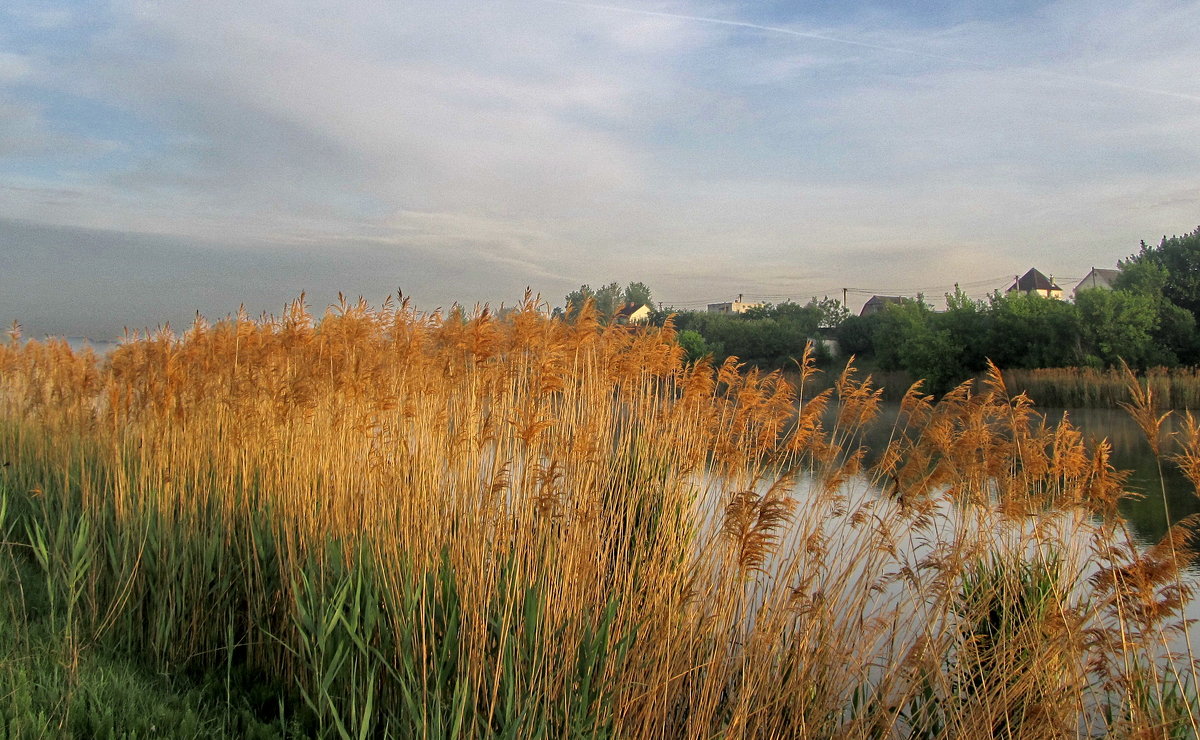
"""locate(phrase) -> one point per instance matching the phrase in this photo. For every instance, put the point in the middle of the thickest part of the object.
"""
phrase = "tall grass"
(450, 525)
(1081, 387)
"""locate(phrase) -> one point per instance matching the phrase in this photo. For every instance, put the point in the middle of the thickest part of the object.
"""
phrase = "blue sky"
(162, 158)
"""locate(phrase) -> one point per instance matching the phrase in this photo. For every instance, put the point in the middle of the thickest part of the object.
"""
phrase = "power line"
(1001, 283)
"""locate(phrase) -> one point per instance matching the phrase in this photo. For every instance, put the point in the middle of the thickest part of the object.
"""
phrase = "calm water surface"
(1163, 497)
(1166, 496)
(1163, 494)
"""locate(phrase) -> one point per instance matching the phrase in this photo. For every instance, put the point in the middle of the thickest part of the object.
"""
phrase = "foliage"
(1028, 330)
(607, 300)
(770, 336)
(1101, 329)
(695, 348)
(1117, 326)
(1174, 334)
(637, 294)
(856, 334)
(1141, 276)
(832, 312)
(942, 348)
(1179, 258)
(1148, 320)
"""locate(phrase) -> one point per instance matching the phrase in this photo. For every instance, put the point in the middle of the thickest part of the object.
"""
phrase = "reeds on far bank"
(453, 525)
(1177, 388)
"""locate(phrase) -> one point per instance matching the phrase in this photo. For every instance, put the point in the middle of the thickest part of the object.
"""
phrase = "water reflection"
(1162, 499)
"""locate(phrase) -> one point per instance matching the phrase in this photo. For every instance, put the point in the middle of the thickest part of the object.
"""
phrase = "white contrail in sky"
(760, 27)
(876, 47)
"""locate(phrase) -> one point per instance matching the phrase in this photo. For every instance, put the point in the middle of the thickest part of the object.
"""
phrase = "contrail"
(876, 47)
(768, 29)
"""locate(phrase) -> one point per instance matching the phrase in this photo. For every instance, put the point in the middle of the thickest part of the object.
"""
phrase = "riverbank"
(1070, 387)
(1173, 388)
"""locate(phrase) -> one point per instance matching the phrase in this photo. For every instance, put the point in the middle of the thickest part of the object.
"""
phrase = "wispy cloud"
(1032, 73)
(707, 148)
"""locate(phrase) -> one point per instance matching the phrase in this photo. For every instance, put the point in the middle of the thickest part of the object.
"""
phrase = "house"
(632, 313)
(877, 303)
(738, 306)
(1035, 283)
(1099, 278)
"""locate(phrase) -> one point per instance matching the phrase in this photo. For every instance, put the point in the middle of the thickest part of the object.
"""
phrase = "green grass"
(58, 681)
(72, 668)
(53, 686)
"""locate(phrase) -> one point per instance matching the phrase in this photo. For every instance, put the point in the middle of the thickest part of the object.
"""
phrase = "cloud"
(13, 67)
(88, 282)
(551, 144)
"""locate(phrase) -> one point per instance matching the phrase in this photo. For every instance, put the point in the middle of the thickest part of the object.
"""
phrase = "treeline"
(767, 336)
(1148, 320)
(607, 300)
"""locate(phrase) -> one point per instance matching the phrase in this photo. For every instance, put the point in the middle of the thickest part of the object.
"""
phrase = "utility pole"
(844, 290)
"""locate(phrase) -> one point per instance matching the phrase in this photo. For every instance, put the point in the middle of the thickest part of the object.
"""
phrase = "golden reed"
(721, 557)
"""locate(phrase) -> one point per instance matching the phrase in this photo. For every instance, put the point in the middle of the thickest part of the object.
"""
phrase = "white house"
(1099, 279)
(738, 306)
(1034, 282)
(632, 313)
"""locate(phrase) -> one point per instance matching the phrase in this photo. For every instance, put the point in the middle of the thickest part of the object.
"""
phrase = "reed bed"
(452, 525)
(1081, 387)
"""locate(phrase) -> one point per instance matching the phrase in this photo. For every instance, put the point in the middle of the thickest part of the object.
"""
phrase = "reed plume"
(426, 523)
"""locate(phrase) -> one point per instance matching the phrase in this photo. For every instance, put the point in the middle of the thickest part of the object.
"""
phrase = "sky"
(159, 159)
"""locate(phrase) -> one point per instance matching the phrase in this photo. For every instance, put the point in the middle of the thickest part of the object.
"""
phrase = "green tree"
(1175, 336)
(908, 337)
(856, 334)
(1031, 331)
(832, 312)
(967, 322)
(637, 293)
(756, 339)
(802, 318)
(608, 299)
(575, 299)
(694, 345)
(1179, 256)
(1142, 276)
(895, 326)
(1117, 325)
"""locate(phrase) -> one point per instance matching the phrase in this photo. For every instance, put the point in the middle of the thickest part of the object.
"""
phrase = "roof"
(1033, 281)
(629, 309)
(879, 302)
(1099, 277)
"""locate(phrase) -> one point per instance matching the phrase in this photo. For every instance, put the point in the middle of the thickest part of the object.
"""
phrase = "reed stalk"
(453, 525)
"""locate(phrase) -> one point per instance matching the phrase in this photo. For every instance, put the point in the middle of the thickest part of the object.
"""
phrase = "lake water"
(1164, 496)
(1164, 500)
(865, 548)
